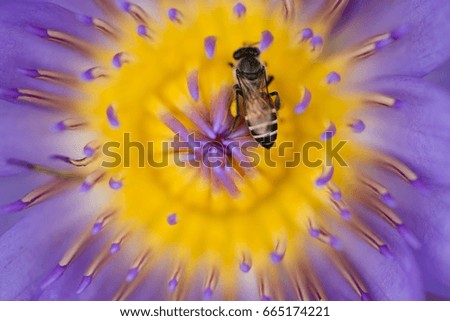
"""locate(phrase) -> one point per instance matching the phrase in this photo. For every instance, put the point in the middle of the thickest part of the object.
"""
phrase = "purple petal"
(420, 27)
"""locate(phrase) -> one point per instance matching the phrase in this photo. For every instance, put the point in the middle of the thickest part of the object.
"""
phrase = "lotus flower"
(127, 174)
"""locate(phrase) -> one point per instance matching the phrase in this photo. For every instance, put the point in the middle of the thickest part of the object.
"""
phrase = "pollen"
(189, 186)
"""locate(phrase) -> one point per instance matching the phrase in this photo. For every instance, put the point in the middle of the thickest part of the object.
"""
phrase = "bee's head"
(246, 52)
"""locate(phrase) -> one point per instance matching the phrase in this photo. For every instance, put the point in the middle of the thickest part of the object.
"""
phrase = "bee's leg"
(231, 64)
(277, 99)
(270, 78)
(238, 92)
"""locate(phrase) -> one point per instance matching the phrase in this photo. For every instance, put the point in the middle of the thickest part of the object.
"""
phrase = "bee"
(253, 100)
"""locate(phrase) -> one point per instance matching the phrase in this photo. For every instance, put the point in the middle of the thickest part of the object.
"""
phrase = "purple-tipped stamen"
(325, 177)
(13, 207)
(345, 214)
(307, 34)
(40, 32)
(174, 15)
(304, 103)
(192, 83)
(276, 257)
(115, 248)
(316, 42)
(125, 6)
(142, 31)
(89, 151)
(112, 117)
(173, 283)
(398, 104)
(329, 132)
(335, 243)
(132, 274)
(266, 40)
(85, 187)
(9, 94)
(358, 126)
(388, 199)
(87, 20)
(385, 251)
(333, 78)
(119, 59)
(53, 276)
(239, 10)
(207, 293)
(115, 184)
(245, 267)
(97, 228)
(210, 46)
(84, 284)
(172, 219)
(32, 73)
(365, 296)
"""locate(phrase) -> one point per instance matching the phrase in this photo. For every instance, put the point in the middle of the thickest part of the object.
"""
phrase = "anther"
(277, 255)
(210, 46)
(246, 263)
(325, 177)
(135, 11)
(304, 103)
(91, 148)
(316, 43)
(342, 209)
(53, 276)
(68, 124)
(379, 190)
(174, 280)
(99, 24)
(239, 10)
(358, 126)
(120, 59)
(192, 83)
(306, 34)
(136, 267)
(35, 97)
(329, 132)
(113, 120)
(116, 182)
(91, 180)
(63, 38)
(210, 285)
(172, 219)
(324, 236)
(334, 191)
(93, 74)
(48, 75)
(36, 196)
(101, 222)
(333, 78)
(174, 15)
(143, 31)
(266, 40)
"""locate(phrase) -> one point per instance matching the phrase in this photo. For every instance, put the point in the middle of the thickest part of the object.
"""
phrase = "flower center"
(172, 78)
(188, 175)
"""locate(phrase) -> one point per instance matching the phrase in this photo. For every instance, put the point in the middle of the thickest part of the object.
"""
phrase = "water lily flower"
(127, 174)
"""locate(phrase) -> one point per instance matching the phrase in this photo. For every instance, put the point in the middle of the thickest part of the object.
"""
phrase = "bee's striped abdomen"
(265, 133)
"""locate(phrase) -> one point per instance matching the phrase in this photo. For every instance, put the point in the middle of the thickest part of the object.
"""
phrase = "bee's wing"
(254, 99)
